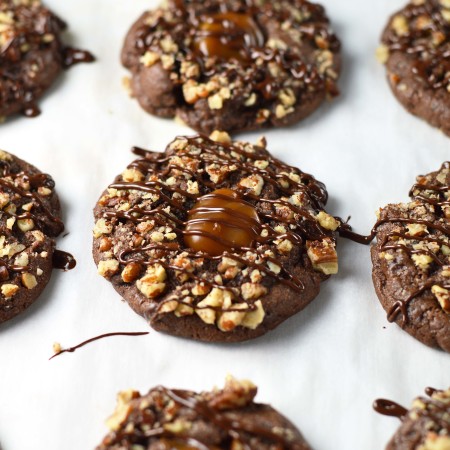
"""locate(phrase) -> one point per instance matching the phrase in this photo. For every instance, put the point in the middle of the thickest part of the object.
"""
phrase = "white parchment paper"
(322, 368)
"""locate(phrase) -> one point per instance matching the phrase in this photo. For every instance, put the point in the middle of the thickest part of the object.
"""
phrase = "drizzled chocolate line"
(434, 410)
(433, 62)
(401, 306)
(97, 338)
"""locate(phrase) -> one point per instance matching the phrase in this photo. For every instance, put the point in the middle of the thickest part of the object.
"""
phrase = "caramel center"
(221, 221)
(172, 444)
(227, 35)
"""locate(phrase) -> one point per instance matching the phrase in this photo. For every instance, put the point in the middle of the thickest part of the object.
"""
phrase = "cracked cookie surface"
(233, 65)
(214, 240)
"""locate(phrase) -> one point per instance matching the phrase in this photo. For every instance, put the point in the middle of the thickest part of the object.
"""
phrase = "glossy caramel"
(227, 35)
(221, 221)
(176, 444)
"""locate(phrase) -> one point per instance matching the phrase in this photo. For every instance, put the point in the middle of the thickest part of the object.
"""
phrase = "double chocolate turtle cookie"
(416, 50)
(226, 419)
(32, 55)
(426, 426)
(233, 65)
(29, 222)
(411, 260)
(214, 240)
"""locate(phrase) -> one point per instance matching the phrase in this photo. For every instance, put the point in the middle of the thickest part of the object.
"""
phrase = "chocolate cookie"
(411, 260)
(32, 55)
(416, 50)
(167, 419)
(426, 426)
(214, 240)
(29, 222)
(233, 65)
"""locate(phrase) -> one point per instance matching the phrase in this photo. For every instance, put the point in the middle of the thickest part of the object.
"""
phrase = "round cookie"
(30, 219)
(426, 426)
(166, 419)
(214, 240)
(233, 65)
(32, 55)
(416, 48)
(411, 260)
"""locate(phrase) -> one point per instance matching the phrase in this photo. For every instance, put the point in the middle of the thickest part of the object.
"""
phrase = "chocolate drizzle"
(97, 338)
(299, 222)
(427, 40)
(433, 410)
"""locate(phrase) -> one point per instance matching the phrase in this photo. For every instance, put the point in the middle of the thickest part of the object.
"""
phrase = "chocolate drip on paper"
(434, 409)
(63, 260)
(96, 338)
(72, 56)
(389, 408)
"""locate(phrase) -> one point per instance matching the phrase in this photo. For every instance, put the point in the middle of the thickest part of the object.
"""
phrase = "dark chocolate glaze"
(102, 336)
(309, 229)
(432, 61)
